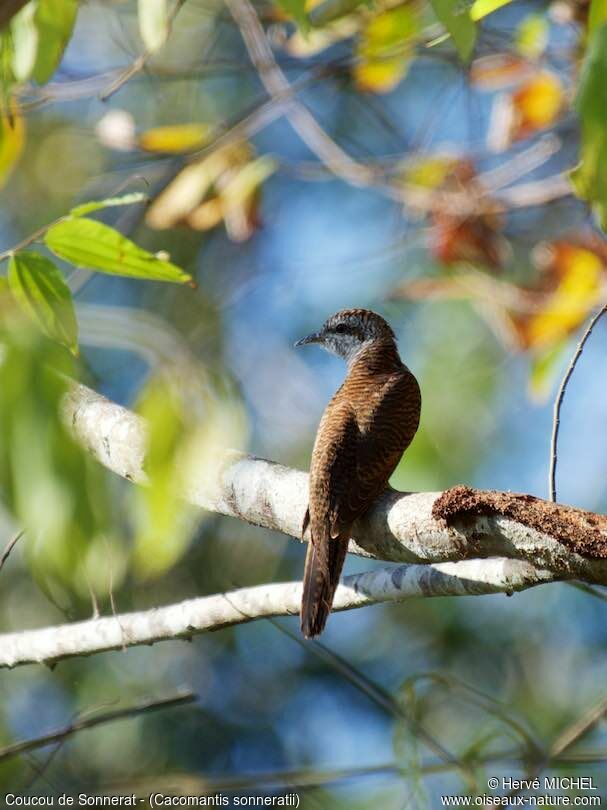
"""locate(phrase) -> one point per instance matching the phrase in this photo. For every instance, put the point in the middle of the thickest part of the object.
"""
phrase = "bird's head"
(350, 330)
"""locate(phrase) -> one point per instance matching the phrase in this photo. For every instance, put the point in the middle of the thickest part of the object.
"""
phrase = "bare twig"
(186, 784)
(132, 70)
(9, 547)
(535, 192)
(559, 401)
(301, 119)
(139, 63)
(28, 239)
(458, 524)
(467, 541)
(209, 613)
(96, 720)
(578, 729)
(380, 696)
(568, 737)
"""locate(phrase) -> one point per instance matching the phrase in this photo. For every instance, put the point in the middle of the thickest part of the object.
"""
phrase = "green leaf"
(6, 302)
(12, 139)
(597, 15)
(590, 177)
(7, 77)
(330, 10)
(163, 523)
(544, 368)
(42, 293)
(532, 36)
(55, 21)
(25, 42)
(53, 487)
(455, 17)
(386, 48)
(97, 205)
(153, 23)
(88, 243)
(297, 10)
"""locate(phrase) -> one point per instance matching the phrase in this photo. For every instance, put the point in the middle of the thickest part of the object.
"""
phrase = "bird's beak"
(315, 337)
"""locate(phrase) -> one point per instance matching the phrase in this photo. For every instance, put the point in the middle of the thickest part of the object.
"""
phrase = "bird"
(363, 432)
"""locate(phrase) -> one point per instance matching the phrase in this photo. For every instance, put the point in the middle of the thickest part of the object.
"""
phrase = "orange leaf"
(538, 103)
(574, 278)
(174, 139)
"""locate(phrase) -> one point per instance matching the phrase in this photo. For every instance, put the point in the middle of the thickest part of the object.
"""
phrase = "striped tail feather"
(321, 578)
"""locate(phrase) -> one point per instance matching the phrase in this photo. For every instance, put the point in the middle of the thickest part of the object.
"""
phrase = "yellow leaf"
(532, 36)
(174, 139)
(429, 172)
(192, 185)
(223, 186)
(482, 8)
(381, 75)
(386, 49)
(12, 138)
(539, 102)
(247, 180)
(578, 291)
(206, 216)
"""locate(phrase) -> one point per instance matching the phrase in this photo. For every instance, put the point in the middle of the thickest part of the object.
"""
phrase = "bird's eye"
(341, 328)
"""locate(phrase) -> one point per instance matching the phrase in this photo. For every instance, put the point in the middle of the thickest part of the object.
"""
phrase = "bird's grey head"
(349, 331)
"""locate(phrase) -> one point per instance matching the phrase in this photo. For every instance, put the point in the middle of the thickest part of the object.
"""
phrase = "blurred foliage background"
(418, 158)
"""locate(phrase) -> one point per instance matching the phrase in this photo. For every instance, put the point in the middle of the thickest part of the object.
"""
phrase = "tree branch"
(421, 527)
(98, 719)
(339, 162)
(558, 403)
(207, 613)
(457, 543)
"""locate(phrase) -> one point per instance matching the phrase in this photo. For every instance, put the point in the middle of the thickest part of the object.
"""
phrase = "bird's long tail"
(320, 581)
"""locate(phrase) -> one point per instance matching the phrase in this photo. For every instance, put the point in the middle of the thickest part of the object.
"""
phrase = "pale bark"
(397, 583)
(401, 527)
(460, 542)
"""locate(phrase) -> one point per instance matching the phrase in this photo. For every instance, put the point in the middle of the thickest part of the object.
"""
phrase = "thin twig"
(589, 589)
(559, 401)
(139, 63)
(9, 547)
(377, 694)
(184, 784)
(40, 769)
(100, 719)
(132, 70)
(208, 613)
(28, 240)
(301, 119)
(568, 737)
(574, 732)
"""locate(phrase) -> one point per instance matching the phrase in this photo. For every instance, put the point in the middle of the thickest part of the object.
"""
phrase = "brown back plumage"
(364, 430)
